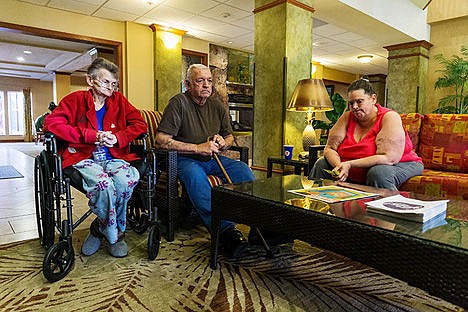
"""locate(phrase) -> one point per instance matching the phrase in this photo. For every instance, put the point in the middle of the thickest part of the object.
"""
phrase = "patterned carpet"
(180, 279)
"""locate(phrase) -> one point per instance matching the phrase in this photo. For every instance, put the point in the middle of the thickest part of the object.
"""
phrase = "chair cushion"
(442, 184)
(444, 142)
(152, 119)
(412, 124)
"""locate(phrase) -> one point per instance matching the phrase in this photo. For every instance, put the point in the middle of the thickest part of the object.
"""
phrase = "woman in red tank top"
(368, 144)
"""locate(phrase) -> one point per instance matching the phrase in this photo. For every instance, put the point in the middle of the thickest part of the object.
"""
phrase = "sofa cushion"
(442, 184)
(444, 142)
(412, 124)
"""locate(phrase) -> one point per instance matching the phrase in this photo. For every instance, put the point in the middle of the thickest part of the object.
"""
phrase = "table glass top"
(452, 231)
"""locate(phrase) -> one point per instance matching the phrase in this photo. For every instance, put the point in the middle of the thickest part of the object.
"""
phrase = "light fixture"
(27, 52)
(20, 59)
(170, 36)
(310, 96)
(365, 58)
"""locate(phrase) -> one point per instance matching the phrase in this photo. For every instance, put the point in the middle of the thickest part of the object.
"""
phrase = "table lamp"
(310, 96)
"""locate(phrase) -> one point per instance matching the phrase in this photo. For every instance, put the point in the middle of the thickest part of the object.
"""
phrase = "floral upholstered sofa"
(442, 142)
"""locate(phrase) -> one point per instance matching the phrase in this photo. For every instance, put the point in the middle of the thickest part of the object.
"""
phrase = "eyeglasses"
(106, 83)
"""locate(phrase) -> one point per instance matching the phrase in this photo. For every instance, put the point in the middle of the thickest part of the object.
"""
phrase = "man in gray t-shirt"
(188, 121)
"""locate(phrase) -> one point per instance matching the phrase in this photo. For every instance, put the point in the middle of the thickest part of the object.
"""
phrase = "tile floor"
(17, 207)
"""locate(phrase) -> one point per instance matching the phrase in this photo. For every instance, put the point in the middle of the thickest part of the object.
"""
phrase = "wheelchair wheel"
(58, 261)
(44, 201)
(154, 240)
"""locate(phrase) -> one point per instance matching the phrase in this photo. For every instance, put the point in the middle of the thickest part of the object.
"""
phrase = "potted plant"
(339, 106)
(454, 75)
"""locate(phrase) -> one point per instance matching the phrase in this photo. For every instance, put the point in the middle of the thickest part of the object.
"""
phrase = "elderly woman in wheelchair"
(96, 127)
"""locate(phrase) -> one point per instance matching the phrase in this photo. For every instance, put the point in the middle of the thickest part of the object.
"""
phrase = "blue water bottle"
(99, 154)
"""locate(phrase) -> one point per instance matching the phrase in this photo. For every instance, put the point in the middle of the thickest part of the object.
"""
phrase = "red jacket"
(74, 121)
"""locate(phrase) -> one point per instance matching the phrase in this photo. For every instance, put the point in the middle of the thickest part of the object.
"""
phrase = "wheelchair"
(52, 187)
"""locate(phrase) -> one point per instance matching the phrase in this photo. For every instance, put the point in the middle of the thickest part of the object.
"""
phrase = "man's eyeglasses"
(106, 83)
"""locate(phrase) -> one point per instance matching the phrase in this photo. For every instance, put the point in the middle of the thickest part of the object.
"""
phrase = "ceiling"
(224, 22)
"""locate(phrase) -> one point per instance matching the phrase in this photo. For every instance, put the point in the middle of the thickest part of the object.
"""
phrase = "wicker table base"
(436, 267)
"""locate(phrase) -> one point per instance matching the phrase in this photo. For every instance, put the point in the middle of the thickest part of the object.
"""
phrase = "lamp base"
(308, 137)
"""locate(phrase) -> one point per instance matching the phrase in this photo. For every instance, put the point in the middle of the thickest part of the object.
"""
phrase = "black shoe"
(271, 238)
(233, 242)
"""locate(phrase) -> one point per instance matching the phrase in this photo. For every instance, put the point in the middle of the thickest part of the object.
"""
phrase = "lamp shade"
(310, 95)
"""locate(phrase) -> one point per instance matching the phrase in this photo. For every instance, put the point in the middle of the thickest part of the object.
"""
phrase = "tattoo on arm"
(334, 141)
(385, 144)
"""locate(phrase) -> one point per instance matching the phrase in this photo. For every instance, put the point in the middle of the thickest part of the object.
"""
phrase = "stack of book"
(409, 209)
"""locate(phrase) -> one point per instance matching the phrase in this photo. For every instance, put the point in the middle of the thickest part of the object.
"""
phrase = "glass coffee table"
(433, 257)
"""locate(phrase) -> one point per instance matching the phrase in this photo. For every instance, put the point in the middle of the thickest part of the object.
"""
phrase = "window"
(11, 112)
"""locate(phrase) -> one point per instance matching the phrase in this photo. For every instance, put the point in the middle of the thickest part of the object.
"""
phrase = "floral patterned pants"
(109, 186)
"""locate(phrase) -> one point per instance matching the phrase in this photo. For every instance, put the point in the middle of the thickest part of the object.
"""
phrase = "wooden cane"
(228, 179)
(256, 229)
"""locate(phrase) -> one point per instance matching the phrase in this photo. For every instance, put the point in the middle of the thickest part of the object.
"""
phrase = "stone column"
(378, 84)
(283, 55)
(167, 64)
(406, 79)
(61, 85)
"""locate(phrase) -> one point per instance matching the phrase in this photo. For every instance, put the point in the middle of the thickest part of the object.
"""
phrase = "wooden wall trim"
(278, 2)
(115, 46)
(203, 56)
(408, 45)
(392, 57)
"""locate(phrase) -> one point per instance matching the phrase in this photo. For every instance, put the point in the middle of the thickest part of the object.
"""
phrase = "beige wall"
(137, 60)
(140, 66)
(447, 37)
(440, 10)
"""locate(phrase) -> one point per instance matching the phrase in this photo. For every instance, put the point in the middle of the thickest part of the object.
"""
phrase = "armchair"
(170, 195)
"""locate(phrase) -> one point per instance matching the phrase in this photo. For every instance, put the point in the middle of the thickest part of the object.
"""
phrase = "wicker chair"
(170, 195)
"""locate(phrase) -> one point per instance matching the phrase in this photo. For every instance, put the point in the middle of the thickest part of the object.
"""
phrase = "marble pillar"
(283, 55)
(407, 74)
(167, 64)
(378, 83)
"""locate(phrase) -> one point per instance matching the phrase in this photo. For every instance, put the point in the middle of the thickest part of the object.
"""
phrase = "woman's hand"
(106, 138)
(343, 169)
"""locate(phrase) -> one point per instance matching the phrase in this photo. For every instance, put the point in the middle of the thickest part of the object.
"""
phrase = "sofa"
(170, 196)
(442, 142)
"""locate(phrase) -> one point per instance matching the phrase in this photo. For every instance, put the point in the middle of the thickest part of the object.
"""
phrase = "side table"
(298, 165)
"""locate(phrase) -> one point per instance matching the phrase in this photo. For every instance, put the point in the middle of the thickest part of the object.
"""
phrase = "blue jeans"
(382, 176)
(194, 174)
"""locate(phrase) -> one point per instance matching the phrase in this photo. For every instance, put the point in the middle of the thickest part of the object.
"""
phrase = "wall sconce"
(170, 40)
(169, 36)
(365, 58)
(310, 96)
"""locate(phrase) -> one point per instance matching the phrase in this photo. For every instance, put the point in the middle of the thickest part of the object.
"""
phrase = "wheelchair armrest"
(142, 136)
(243, 152)
(313, 154)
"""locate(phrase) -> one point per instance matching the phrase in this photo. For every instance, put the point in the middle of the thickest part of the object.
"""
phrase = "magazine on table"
(407, 208)
(408, 226)
(332, 194)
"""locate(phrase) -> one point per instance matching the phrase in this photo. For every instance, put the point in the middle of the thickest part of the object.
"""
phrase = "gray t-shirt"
(189, 122)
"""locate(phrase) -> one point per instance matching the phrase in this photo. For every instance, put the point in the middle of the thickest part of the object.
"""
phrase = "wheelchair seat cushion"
(76, 180)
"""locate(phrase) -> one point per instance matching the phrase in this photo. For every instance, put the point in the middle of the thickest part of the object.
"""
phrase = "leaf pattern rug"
(299, 278)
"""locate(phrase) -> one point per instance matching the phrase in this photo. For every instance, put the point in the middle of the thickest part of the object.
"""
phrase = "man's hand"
(219, 140)
(207, 148)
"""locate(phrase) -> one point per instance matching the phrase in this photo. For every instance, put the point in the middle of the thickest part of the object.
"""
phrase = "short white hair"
(192, 68)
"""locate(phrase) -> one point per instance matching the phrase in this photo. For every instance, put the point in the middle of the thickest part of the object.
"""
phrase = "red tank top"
(350, 149)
